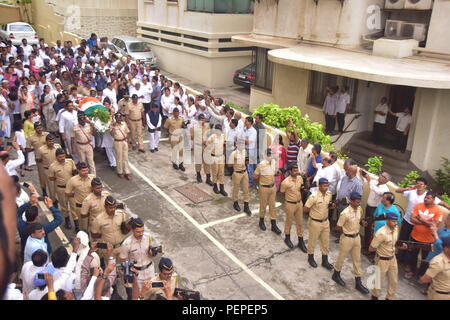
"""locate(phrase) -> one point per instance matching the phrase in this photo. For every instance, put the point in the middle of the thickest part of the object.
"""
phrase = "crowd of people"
(41, 86)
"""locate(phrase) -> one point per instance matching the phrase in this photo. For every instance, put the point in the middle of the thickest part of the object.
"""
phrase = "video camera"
(156, 250)
(127, 273)
(188, 294)
(185, 123)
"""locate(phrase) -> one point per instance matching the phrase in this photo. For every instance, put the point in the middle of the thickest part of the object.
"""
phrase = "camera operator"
(137, 247)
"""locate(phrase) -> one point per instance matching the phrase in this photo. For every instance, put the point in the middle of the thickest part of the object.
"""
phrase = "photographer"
(11, 165)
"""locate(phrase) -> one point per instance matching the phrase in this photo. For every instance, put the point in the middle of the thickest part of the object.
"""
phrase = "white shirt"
(27, 276)
(166, 102)
(330, 174)
(231, 135)
(12, 293)
(376, 192)
(67, 121)
(378, 117)
(302, 158)
(251, 135)
(22, 199)
(111, 94)
(403, 121)
(38, 62)
(147, 90)
(343, 100)
(11, 165)
(26, 51)
(149, 124)
(413, 199)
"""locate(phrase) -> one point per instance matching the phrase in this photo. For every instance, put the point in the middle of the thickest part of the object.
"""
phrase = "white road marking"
(208, 235)
(213, 223)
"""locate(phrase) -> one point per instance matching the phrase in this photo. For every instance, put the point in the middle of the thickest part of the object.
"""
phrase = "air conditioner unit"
(419, 4)
(416, 31)
(394, 4)
(392, 29)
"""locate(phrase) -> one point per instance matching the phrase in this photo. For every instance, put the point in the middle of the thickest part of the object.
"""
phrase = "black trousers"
(400, 140)
(405, 232)
(340, 121)
(378, 132)
(330, 122)
(370, 211)
(147, 107)
(411, 259)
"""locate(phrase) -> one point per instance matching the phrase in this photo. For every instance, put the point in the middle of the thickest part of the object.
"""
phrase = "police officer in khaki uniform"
(119, 131)
(137, 248)
(34, 142)
(77, 189)
(169, 279)
(122, 104)
(217, 141)
(107, 227)
(350, 221)
(94, 204)
(174, 124)
(438, 273)
(59, 173)
(383, 243)
(290, 188)
(46, 155)
(199, 136)
(265, 172)
(134, 115)
(81, 135)
(240, 176)
(318, 205)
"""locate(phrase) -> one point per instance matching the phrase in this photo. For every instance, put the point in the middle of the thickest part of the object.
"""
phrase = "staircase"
(360, 148)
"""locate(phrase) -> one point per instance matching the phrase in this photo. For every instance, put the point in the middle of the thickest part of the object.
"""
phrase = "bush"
(443, 176)
(409, 179)
(375, 164)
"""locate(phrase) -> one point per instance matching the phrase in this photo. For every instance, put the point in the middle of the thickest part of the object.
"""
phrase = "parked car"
(17, 31)
(137, 49)
(245, 76)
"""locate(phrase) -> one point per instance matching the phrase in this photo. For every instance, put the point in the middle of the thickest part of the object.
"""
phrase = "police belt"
(61, 186)
(119, 244)
(243, 171)
(135, 119)
(144, 267)
(293, 202)
(269, 186)
(386, 258)
(440, 292)
(78, 205)
(46, 168)
(83, 143)
(351, 235)
(216, 155)
(319, 220)
(117, 140)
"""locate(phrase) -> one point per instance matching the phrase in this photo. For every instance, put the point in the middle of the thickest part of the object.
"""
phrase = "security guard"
(349, 221)
(169, 279)
(77, 189)
(34, 142)
(317, 205)
(199, 136)
(438, 274)
(240, 176)
(46, 155)
(106, 227)
(122, 104)
(94, 204)
(134, 115)
(290, 188)
(137, 248)
(59, 174)
(383, 243)
(81, 135)
(119, 131)
(217, 141)
(174, 124)
(265, 172)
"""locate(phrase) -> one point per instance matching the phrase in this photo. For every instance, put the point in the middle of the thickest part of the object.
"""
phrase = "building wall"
(439, 26)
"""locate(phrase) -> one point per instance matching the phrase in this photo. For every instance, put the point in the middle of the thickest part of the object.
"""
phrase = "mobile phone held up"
(157, 284)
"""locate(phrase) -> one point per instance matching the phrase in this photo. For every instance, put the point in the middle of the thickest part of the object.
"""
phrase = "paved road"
(230, 259)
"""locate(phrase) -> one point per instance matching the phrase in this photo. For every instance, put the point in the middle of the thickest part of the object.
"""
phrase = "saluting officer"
(94, 204)
(290, 188)
(119, 131)
(77, 189)
(217, 141)
(265, 172)
(134, 113)
(137, 248)
(60, 173)
(318, 205)
(240, 176)
(199, 136)
(34, 142)
(81, 135)
(174, 124)
(46, 155)
(349, 221)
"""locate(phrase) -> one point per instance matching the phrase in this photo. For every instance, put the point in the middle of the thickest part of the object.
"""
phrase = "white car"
(17, 31)
(137, 49)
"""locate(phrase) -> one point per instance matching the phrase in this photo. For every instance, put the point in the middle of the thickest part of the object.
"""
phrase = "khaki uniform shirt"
(120, 131)
(384, 241)
(122, 105)
(134, 111)
(198, 133)
(318, 204)
(160, 291)
(266, 171)
(349, 220)
(173, 124)
(109, 227)
(217, 142)
(47, 155)
(62, 172)
(291, 187)
(36, 141)
(439, 271)
(93, 206)
(81, 188)
(82, 134)
(135, 250)
(237, 158)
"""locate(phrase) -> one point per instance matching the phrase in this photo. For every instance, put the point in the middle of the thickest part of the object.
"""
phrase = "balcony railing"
(220, 6)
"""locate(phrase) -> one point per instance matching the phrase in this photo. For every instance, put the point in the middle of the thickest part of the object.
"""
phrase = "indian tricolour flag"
(89, 104)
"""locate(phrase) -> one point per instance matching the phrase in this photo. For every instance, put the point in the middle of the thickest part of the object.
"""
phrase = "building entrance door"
(400, 97)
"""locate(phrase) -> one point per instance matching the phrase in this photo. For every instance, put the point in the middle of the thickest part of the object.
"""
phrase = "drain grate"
(193, 193)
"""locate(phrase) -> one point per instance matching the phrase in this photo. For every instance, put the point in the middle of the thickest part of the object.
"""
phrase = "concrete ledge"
(394, 48)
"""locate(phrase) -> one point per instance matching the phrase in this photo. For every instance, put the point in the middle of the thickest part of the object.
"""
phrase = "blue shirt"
(311, 169)
(156, 91)
(32, 245)
(437, 244)
(382, 210)
(348, 186)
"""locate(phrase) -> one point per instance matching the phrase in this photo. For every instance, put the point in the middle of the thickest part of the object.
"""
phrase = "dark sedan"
(245, 76)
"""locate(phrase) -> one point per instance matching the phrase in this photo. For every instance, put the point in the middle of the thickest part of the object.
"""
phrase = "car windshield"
(21, 27)
(139, 47)
(250, 67)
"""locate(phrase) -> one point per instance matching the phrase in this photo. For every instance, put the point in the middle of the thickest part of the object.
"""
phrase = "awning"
(9, 14)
